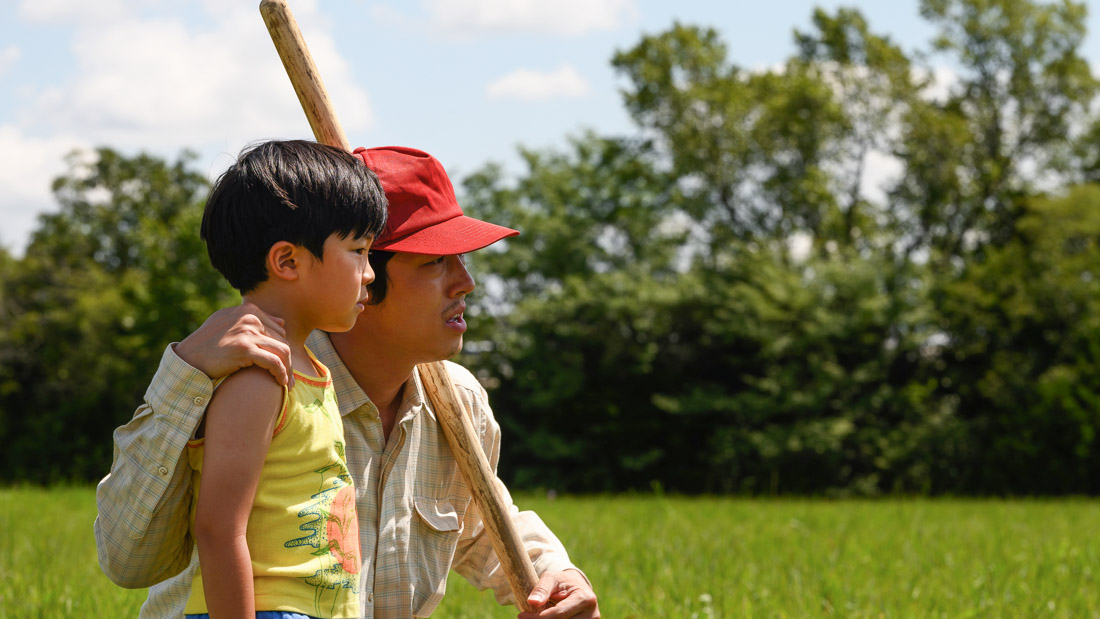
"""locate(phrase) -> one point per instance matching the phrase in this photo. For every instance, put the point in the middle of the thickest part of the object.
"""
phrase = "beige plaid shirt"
(416, 521)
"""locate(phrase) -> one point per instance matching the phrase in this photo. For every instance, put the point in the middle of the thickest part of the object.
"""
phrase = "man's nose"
(463, 282)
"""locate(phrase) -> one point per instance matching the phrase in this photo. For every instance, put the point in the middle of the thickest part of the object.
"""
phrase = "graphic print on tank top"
(331, 527)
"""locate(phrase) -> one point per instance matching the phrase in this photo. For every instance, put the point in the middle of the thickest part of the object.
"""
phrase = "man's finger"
(277, 347)
(272, 326)
(540, 593)
(560, 595)
(282, 350)
(569, 607)
(274, 364)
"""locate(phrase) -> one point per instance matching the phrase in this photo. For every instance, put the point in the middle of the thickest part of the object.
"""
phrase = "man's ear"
(283, 260)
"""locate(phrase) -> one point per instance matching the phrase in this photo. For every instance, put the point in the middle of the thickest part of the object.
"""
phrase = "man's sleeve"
(141, 530)
(475, 559)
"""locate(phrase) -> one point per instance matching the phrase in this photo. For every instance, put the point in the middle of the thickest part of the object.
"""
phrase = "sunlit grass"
(683, 557)
(48, 565)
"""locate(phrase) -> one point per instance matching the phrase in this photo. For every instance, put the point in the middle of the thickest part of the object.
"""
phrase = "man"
(415, 514)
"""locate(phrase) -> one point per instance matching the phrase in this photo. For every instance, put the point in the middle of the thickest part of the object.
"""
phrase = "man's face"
(421, 317)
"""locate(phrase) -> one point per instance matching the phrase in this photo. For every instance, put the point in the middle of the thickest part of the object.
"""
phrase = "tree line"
(850, 274)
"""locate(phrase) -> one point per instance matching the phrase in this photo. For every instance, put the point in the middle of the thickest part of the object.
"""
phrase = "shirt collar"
(415, 399)
(349, 395)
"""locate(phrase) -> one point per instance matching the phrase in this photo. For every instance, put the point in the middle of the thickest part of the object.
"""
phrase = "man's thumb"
(538, 595)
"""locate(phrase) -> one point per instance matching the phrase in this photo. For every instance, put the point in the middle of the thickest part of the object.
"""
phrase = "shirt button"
(370, 598)
(198, 400)
(163, 470)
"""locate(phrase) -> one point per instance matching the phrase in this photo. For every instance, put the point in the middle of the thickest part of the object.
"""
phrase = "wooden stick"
(465, 444)
(487, 491)
(303, 73)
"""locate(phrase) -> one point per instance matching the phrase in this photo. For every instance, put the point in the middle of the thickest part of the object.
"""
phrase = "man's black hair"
(296, 191)
(379, 259)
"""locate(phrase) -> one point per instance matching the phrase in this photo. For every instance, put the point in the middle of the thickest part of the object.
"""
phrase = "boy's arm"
(239, 424)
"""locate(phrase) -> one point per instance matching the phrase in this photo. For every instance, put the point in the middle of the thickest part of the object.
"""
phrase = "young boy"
(289, 225)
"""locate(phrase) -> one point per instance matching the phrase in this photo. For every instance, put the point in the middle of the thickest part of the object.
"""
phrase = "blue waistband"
(263, 614)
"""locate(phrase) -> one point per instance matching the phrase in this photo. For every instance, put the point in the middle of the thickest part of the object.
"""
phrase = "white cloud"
(72, 10)
(8, 57)
(465, 18)
(799, 246)
(881, 171)
(160, 84)
(142, 82)
(943, 81)
(533, 85)
(28, 166)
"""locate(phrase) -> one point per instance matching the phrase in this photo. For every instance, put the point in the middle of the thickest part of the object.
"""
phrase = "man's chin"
(454, 350)
(444, 354)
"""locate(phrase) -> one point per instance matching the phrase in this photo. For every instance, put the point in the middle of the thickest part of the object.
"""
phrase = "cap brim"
(455, 236)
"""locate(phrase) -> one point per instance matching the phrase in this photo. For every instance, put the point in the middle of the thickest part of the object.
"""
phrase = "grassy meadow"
(653, 556)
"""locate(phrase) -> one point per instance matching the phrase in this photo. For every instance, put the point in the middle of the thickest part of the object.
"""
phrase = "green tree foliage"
(1023, 358)
(105, 282)
(1008, 126)
(735, 298)
(728, 303)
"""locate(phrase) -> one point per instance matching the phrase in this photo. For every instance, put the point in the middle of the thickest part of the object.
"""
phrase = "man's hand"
(237, 337)
(564, 594)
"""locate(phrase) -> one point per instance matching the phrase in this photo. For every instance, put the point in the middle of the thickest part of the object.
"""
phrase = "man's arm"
(141, 528)
(559, 580)
(239, 425)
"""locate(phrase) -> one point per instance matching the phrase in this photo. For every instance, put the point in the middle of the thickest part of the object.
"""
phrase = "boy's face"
(335, 287)
(421, 318)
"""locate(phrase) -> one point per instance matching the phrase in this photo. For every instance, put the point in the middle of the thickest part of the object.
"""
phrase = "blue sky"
(467, 80)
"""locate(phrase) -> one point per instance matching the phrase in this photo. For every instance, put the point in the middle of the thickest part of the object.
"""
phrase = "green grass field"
(685, 557)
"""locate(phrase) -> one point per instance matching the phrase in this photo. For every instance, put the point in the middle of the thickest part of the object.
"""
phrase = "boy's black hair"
(296, 191)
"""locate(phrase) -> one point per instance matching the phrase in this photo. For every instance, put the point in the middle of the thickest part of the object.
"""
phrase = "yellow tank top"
(303, 534)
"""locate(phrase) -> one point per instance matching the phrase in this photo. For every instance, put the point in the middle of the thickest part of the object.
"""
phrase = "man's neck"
(381, 377)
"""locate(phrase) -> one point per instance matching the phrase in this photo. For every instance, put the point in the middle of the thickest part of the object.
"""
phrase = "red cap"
(424, 215)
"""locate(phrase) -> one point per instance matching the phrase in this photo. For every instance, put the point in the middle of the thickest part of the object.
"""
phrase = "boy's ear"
(284, 260)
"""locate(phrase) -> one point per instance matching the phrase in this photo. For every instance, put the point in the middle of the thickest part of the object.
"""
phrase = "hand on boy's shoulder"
(238, 337)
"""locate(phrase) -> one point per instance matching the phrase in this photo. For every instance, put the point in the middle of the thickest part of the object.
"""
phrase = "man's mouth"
(454, 316)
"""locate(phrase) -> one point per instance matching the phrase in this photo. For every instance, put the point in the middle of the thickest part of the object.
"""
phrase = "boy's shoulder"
(252, 380)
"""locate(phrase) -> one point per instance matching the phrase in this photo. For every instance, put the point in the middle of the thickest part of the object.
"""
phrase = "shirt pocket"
(438, 525)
